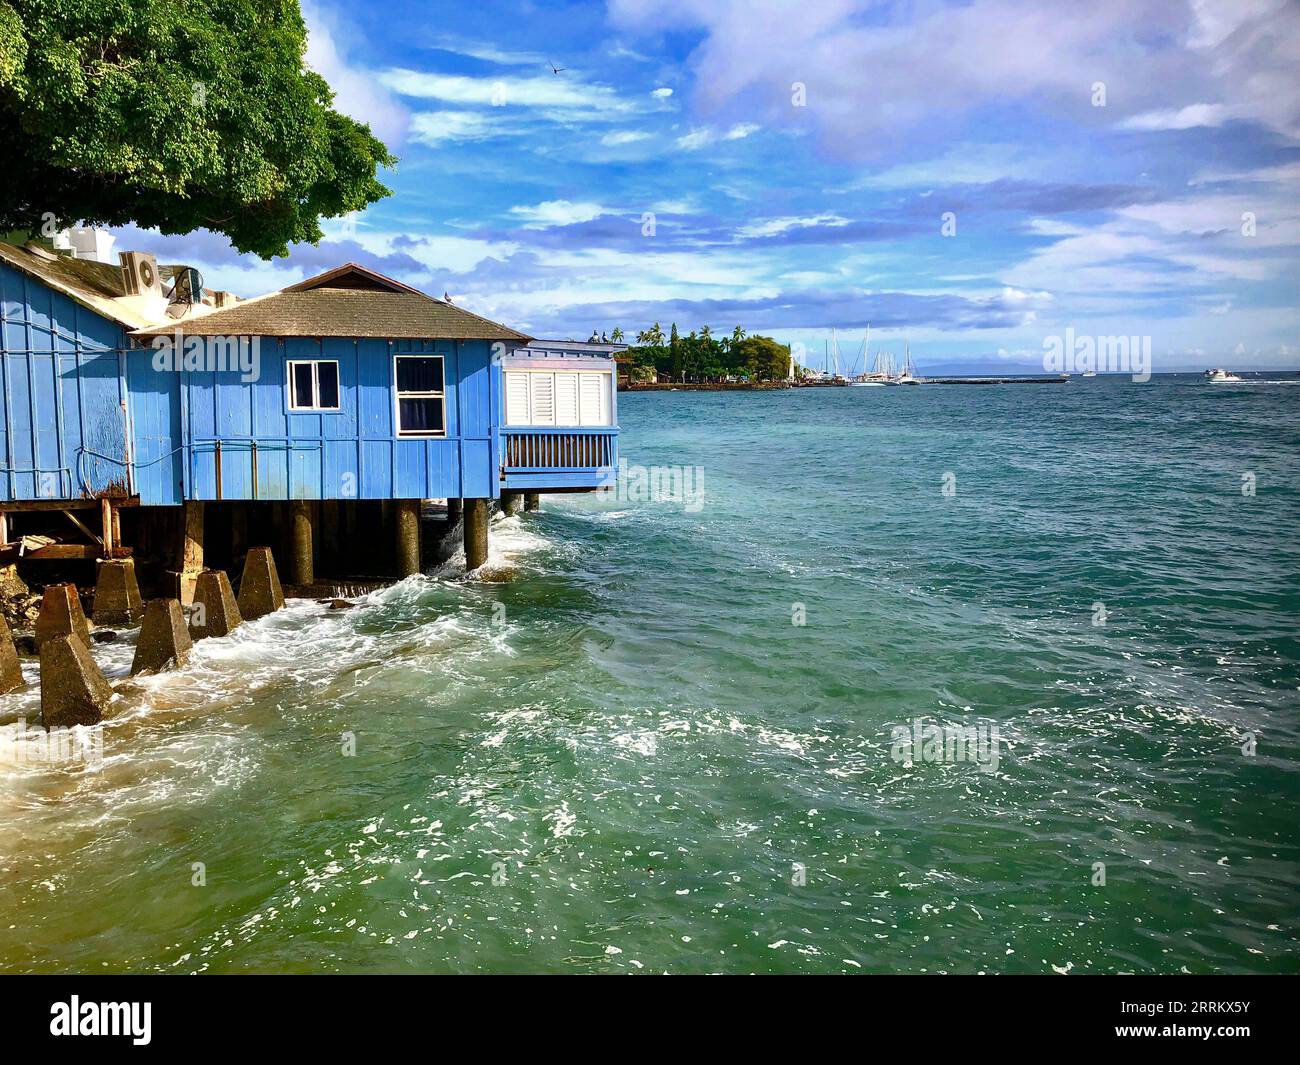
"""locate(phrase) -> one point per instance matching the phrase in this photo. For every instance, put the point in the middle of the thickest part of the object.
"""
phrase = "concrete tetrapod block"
(11, 672)
(61, 615)
(117, 595)
(164, 639)
(215, 611)
(73, 690)
(259, 587)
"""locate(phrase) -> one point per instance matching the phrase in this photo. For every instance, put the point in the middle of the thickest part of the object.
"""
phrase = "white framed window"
(313, 384)
(419, 395)
(558, 397)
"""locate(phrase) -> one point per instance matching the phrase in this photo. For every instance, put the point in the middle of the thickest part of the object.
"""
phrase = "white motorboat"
(1220, 376)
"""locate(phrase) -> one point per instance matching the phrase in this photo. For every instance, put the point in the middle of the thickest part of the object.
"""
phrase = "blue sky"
(1100, 163)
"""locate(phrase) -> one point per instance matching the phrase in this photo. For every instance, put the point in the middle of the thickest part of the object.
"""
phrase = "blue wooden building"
(349, 386)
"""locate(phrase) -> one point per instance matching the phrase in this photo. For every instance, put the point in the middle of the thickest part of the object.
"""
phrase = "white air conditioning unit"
(140, 274)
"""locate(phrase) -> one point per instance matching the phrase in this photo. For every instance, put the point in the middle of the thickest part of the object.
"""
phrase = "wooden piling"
(407, 529)
(476, 533)
(512, 502)
(304, 571)
(532, 501)
(190, 562)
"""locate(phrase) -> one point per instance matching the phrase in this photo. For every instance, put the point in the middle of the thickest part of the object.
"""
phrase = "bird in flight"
(554, 68)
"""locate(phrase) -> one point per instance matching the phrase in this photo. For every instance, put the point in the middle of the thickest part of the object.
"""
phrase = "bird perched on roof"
(446, 298)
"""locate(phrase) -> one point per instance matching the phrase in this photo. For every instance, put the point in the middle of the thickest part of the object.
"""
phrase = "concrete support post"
(259, 587)
(512, 502)
(408, 537)
(532, 501)
(476, 533)
(11, 672)
(164, 639)
(117, 595)
(215, 611)
(455, 509)
(73, 690)
(61, 615)
(304, 571)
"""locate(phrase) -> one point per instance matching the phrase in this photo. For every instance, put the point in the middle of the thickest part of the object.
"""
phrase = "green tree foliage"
(702, 357)
(763, 357)
(175, 115)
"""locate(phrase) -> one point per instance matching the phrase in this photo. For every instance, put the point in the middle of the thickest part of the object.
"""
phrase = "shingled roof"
(94, 285)
(349, 301)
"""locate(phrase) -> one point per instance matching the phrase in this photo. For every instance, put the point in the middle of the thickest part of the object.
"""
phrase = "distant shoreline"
(716, 386)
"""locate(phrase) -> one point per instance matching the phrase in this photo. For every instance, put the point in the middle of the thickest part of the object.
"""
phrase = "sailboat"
(907, 376)
(865, 379)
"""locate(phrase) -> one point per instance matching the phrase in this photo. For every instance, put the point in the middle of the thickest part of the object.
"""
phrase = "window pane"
(420, 415)
(327, 378)
(419, 374)
(302, 396)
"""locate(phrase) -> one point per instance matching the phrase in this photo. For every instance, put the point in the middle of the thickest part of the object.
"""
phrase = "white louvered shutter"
(566, 399)
(542, 392)
(595, 399)
(516, 398)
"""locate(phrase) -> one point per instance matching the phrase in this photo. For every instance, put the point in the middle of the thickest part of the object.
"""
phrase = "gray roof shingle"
(332, 306)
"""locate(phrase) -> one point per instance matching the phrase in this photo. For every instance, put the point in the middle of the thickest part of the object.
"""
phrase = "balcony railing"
(528, 450)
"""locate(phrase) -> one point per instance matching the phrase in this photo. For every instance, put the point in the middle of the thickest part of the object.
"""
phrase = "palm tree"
(617, 335)
(656, 335)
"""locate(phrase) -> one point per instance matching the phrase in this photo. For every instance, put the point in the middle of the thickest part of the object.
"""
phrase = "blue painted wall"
(86, 413)
(268, 451)
(63, 433)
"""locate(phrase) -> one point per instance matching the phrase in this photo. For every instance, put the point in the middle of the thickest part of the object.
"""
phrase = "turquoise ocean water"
(629, 757)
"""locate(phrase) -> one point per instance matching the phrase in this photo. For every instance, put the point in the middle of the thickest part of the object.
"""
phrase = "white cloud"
(564, 97)
(356, 93)
(695, 139)
(623, 136)
(1276, 218)
(1188, 117)
(772, 226)
(939, 62)
(662, 93)
(436, 127)
(703, 136)
(557, 213)
(436, 254)
(489, 53)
